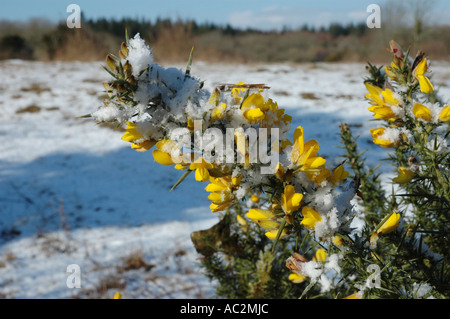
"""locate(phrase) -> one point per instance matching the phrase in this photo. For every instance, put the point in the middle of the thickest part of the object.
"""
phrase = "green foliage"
(376, 78)
(406, 260)
(242, 263)
(371, 195)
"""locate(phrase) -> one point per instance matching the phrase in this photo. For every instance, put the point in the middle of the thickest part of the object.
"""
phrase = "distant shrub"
(15, 47)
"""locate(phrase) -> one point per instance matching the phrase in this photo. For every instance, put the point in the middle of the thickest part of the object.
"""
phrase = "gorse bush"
(287, 219)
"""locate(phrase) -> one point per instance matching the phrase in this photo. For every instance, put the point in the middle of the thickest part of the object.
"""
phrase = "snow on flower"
(139, 55)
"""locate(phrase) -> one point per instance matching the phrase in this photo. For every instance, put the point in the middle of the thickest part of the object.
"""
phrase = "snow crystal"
(435, 110)
(390, 134)
(325, 283)
(139, 54)
(323, 199)
(106, 113)
(312, 269)
(242, 191)
(333, 262)
(399, 111)
(437, 144)
(421, 290)
(111, 113)
(329, 224)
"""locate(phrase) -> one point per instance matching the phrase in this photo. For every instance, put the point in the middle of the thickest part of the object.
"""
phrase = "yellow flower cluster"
(391, 106)
(223, 185)
(398, 103)
(176, 101)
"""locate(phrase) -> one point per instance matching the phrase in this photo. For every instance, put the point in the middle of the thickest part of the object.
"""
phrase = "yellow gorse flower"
(388, 97)
(444, 116)
(377, 133)
(390, 225)
(221, 192)
(267, 220)
(356, 295)
(254, 198)
(272, 234)
(419, 74)
(165, 152)
(318, 176)
(201, 167)
(218, 112)
(279, 171)
(421, 112)
(281, 116)
(144, 146)
(303, 155)
(390, 71)
(238, 93)
(253, 107)
(220, 198)
(268, 224)
(337, 241)
(382, 102)
(321, 255)
(383, 112)
(139, 143)
(310, 217)
(219, 207)
(131, 133)
(257, 110)
(254, 115)
(405, 175)
(214, 98)
(296, 278)
(242, 222)
(339, 175)
(260, 214)
(290, 200)
(374, 94)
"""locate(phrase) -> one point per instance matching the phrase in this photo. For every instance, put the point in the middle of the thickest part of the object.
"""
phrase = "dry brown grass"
(173, 43)
(29, 109)
(81, 46)
(309, 96)
(135, 261)
(35, 88)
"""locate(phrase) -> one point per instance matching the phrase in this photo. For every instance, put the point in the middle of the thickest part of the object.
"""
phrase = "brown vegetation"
(172, 41)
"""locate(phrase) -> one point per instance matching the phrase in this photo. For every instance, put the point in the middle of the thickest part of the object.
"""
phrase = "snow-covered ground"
(72, 192)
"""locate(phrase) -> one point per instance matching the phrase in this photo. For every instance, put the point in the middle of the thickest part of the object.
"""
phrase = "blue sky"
(262, 14)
